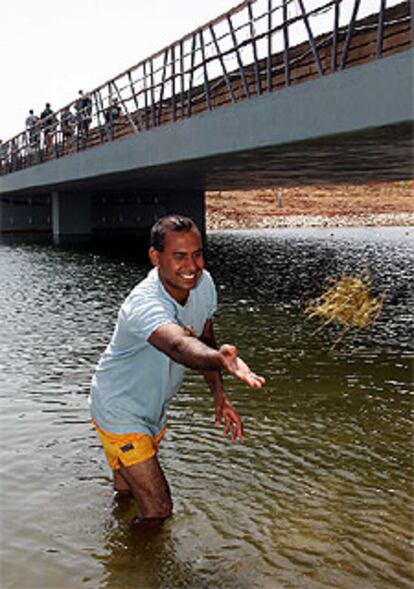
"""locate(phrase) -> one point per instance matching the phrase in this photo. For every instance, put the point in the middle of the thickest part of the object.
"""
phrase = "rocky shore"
(390, 204)
(216, 221)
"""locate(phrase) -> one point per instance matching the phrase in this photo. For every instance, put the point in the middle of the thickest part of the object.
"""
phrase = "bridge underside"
(373, 155)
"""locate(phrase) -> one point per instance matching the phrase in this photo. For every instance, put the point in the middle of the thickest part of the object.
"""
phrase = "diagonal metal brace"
(311, 38)
(349, 34)
(223, 65)
(121, 100)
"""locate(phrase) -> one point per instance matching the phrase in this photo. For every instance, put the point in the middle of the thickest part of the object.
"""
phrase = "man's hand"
(225, 411)
(236, 367)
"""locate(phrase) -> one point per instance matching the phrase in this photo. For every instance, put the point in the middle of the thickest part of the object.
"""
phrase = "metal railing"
(259, 46)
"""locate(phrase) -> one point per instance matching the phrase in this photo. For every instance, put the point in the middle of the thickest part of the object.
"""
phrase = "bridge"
(271, 93)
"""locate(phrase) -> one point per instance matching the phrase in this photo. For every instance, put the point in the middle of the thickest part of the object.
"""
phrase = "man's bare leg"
(149, 487)
(121, 487)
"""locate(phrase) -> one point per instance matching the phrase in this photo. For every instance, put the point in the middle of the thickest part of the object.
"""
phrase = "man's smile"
(188, 276)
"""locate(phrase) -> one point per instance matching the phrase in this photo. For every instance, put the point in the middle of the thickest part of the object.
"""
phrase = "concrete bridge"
(289, 94)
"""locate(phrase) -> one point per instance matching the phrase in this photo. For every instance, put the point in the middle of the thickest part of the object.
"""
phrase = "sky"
(52, 48)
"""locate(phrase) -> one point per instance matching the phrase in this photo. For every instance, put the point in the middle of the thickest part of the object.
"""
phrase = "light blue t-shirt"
(134, 381)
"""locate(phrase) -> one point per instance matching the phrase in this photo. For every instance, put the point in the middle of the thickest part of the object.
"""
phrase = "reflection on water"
(318, 496)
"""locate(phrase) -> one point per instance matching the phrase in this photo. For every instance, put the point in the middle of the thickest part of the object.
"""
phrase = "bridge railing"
(259, 46)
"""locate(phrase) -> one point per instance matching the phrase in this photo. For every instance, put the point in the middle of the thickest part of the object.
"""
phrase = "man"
(32, 127)
(3, 154)
(48, 122)
(164, 325)
(112, 114)
(83, 107)
(67, 124)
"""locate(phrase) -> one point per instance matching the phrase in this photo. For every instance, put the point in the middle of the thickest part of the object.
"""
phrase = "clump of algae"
(347, 303)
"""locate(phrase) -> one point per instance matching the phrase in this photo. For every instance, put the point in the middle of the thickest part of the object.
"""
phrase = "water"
(318, 496)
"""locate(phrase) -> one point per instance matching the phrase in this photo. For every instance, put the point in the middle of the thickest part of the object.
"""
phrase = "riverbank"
(388, 204)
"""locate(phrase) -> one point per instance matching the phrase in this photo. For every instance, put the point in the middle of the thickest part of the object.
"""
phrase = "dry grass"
(347, 303)
(249, 207)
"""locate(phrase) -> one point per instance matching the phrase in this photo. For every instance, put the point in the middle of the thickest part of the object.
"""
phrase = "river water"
(320, 493)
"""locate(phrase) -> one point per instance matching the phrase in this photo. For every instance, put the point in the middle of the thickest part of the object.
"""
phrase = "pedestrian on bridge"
(32, 126)
(164, 325)
(48, 122)
(3, 152)
(112, 115)
(83, 107)
(67, 124)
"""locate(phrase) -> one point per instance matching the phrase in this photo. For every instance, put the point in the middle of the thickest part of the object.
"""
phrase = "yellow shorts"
(128, 449)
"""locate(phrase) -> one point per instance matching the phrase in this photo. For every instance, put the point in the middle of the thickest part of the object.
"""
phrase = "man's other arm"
(224, 409)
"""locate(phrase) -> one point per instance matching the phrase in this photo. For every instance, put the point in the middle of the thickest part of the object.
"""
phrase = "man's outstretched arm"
(193, 353)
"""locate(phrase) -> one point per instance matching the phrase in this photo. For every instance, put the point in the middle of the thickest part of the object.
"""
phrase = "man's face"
(181, 263)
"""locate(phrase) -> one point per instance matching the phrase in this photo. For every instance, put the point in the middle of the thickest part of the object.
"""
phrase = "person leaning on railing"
(13, 155)
(2, 157)
(68, 124)
(112, 114)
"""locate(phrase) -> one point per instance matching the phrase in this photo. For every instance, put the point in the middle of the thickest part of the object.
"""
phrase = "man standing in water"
(164, 325)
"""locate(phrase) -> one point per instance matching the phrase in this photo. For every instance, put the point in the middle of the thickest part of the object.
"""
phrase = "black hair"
(169, 223)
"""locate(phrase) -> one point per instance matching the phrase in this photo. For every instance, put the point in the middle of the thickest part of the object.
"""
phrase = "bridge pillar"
(71, 217)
